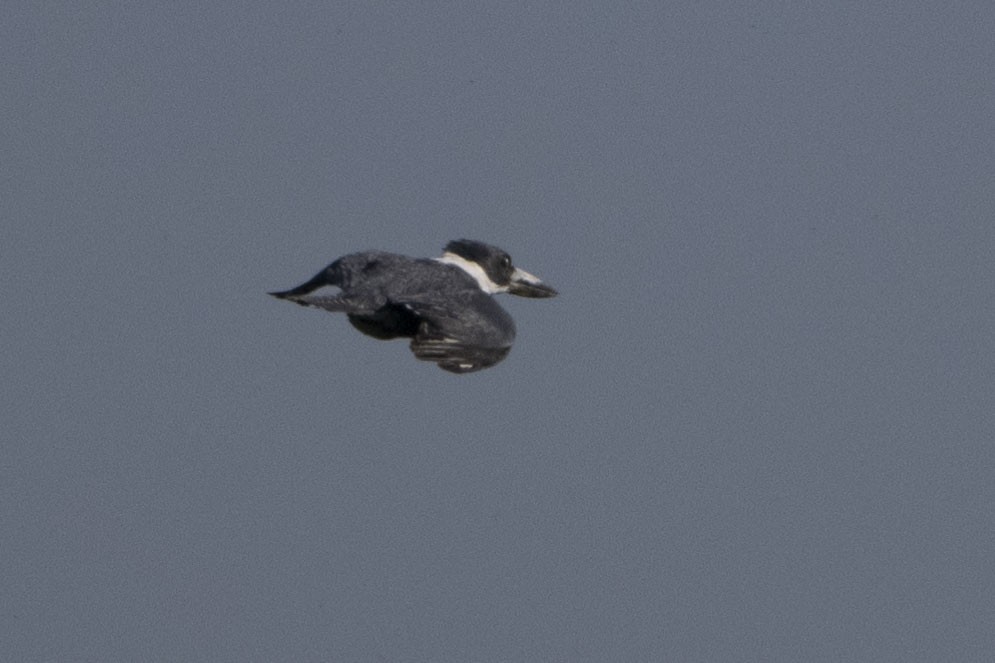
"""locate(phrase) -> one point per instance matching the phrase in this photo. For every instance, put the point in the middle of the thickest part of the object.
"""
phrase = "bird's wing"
(462, 333)
(456, 357)
(338, 303)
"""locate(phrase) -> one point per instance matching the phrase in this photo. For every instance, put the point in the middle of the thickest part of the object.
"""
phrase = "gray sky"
(757, 424)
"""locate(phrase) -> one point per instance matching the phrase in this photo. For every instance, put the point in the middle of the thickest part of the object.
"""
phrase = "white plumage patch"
(475, 271)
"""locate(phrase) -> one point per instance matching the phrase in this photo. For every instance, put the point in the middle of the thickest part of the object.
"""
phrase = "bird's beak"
(524, 284)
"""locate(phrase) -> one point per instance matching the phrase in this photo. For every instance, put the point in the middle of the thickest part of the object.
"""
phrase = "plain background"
(756, 425)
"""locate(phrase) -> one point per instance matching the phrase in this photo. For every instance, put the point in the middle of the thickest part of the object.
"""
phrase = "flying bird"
(444, 305)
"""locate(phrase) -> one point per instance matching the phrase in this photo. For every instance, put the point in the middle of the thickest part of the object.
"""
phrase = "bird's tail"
(330, 275)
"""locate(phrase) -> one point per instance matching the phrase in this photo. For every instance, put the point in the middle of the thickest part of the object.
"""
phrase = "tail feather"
(331, 275)
(333, 303)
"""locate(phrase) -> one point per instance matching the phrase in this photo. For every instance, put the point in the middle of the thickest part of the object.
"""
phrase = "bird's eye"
(506, 261)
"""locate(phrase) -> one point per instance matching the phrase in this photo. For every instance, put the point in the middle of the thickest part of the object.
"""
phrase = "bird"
(444, 305)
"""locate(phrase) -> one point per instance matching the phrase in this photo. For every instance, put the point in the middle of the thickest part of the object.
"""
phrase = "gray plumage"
(443, 305)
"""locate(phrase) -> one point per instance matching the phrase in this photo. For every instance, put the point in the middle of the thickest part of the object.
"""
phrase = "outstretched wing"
(456, 357)
(462, 333)
(335, 303)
